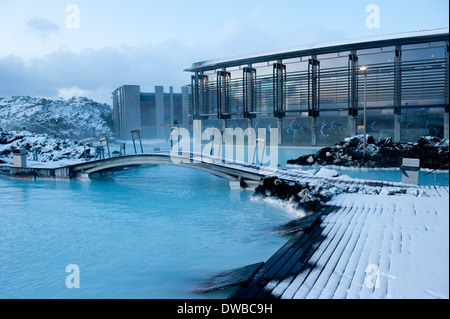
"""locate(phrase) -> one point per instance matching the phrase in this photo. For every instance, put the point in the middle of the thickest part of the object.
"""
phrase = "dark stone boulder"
(302, 196)
(432, 152)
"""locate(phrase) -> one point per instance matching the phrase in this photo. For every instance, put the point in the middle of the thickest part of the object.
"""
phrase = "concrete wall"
(159, 101)
(186, 105)
(127, 110)
(63, 173)
(155, 111)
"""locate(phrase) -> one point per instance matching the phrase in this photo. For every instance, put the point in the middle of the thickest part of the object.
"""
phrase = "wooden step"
(229, 278)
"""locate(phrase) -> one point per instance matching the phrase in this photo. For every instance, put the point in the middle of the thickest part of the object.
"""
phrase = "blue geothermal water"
(148, 233)
(153, 232)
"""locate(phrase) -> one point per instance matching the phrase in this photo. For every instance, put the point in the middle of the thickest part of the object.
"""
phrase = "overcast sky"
(52, 48)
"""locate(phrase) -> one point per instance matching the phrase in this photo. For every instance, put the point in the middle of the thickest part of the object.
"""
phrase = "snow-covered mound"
(432, 152)
(308, 195)
(49, 148)
(75, 118)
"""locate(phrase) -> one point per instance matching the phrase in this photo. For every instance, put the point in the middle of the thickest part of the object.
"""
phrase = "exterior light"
(363, 69)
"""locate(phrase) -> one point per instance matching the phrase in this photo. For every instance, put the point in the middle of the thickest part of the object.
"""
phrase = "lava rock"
(302, 196)
(311, 195)
(432, 152)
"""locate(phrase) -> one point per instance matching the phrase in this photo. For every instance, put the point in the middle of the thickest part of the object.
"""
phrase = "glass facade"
(314, 95)
(424, 76)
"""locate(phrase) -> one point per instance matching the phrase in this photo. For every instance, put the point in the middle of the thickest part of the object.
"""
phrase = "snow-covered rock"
(325, 172)
(432, 152)
(308, 195)
(49, 148)
(75, 118)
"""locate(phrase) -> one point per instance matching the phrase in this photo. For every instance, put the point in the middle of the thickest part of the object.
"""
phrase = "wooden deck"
(228, 278)
(330, 258)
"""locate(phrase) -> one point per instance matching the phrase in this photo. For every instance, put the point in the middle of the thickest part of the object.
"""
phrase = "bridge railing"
(116, 144)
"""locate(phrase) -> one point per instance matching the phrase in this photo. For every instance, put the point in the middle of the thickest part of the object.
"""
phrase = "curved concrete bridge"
(239, 175)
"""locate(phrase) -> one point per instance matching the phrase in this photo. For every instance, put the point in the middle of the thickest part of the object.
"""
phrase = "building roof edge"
(363, 42)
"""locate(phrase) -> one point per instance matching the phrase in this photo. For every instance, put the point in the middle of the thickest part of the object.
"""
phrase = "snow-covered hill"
(75, 118)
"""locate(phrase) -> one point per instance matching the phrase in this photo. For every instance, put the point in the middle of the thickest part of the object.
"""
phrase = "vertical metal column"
(279, 79)
(352, 92)
(249, 91)
(365, 115)
(397, 93)
(398, 80)
(313, 86)
(352, 84)
(204, 107)
(227, 93)
(199, 85)
(219, 84)
(446, 93)
(223, 94)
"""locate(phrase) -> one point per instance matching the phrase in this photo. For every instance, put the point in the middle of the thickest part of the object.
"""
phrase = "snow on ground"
(305, 191)
(420, 269)
(325, 172)
(378, 246)
(384, 241)
(50, 148)
(55, 164)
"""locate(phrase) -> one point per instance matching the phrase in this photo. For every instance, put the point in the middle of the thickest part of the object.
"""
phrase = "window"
(365, 58)
(433, 53)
